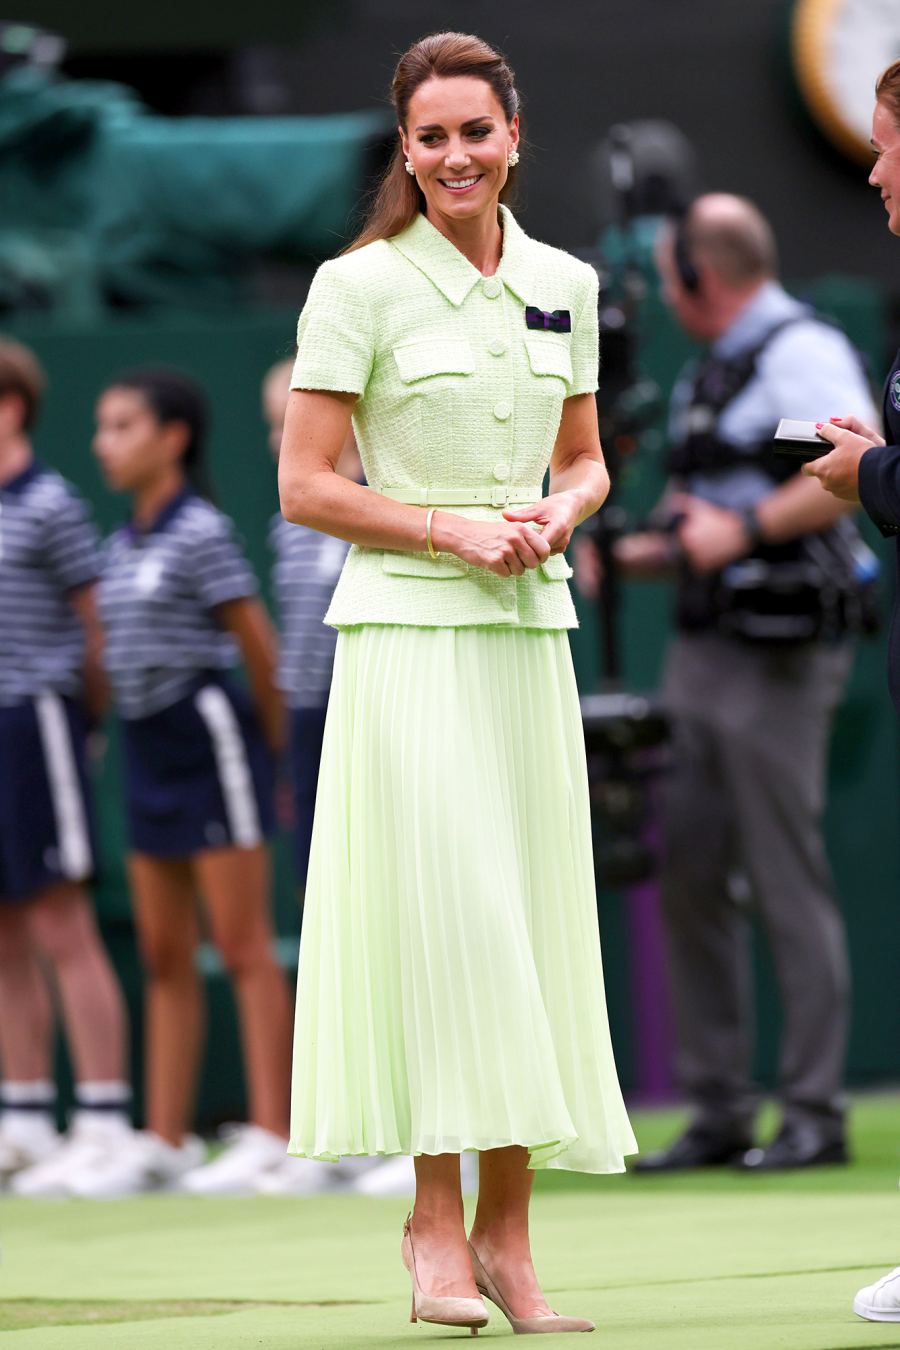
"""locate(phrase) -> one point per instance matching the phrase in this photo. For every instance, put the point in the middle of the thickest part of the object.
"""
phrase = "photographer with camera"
(767, 594)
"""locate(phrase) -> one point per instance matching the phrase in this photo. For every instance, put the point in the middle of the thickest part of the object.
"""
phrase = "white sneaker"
(300, 1176)
(249, 1154)
(25, 1142)
(88, 1145)
(468, 1173)
(393, 1176)
(143, 1163)
(351, 1168)
(397, 1176)
(880, 1302)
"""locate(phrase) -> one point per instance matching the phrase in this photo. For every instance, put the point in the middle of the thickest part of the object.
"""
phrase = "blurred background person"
(51, 689)
(865, 467)
(306, 567)
(178, 603)
(752, 681)
(307, 564)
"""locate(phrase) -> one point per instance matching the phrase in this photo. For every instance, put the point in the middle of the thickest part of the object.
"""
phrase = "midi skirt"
(450, 987)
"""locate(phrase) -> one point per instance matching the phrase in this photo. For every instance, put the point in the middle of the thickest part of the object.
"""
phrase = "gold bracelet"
(431, 552)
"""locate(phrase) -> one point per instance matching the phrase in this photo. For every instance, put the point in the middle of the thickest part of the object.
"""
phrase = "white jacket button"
(501, 471)
(502, 411)
(491, 287)
(497, 347)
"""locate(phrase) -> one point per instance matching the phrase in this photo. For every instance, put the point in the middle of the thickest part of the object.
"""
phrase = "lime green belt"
(497, 495)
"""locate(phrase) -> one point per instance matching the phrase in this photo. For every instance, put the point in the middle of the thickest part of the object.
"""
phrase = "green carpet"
(714, 1261)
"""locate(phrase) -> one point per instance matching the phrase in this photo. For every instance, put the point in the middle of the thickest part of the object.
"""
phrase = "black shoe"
(697, 1147)
(796, 1145)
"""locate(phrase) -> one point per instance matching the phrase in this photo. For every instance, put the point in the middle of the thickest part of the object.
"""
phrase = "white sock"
(28, 1107)
(108, 1102)
(38, 1094)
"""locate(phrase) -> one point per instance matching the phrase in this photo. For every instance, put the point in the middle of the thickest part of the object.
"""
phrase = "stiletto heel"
(449, 1312)
(523, 1326)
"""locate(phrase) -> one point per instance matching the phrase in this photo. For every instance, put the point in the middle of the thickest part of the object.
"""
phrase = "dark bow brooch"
(553, 321)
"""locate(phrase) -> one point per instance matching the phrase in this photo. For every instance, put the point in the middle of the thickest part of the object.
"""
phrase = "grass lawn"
(710, 1261)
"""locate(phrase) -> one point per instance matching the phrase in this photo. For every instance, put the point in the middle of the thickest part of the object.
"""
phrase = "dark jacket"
(879, 492)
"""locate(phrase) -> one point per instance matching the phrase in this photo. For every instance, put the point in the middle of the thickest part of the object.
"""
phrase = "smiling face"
(458, 140)
(885, 174)
(132, 446)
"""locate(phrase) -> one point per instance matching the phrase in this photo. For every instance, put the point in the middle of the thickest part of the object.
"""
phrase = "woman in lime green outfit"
(450, 987)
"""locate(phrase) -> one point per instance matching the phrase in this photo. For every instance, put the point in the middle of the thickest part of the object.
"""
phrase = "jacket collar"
(452, 273)
(22, 479)
(166, 514)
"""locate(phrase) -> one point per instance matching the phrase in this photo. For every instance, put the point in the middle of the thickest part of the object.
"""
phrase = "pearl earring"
(409, 168)
(513, 158)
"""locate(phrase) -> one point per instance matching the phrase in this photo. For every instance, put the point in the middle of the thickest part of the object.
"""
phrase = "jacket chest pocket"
(425, 363)
(549, 357)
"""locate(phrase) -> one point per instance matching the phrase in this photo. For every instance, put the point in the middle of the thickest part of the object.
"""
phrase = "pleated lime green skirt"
(450, 987)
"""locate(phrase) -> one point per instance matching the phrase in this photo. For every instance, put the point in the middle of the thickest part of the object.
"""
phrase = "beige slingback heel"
(450, 1312)
(523, 1326)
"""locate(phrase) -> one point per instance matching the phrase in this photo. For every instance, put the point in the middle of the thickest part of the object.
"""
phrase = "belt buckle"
(500, 495)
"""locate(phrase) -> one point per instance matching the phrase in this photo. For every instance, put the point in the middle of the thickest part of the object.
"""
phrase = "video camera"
(642, 172)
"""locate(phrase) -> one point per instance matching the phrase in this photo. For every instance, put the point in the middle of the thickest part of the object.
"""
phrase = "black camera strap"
(717, 382)
(796, 591)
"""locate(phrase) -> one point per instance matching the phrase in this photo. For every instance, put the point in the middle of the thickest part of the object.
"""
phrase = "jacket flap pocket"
(434, 356)
(556, 568)
(548, 356)
(422, 565)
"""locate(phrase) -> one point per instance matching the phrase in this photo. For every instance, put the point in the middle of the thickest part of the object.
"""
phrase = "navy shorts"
(46, 833)
(198, 774)
(307, 730)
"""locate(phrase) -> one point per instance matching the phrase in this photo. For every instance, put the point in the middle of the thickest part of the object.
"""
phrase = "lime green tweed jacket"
(460, 393)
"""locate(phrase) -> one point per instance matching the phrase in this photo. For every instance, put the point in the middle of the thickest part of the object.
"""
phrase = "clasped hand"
(524, 538)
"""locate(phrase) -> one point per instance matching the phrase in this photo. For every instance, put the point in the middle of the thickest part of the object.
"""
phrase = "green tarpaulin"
(101, 201)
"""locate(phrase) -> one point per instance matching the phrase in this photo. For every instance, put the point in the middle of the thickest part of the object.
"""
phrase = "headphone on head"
(681, 249)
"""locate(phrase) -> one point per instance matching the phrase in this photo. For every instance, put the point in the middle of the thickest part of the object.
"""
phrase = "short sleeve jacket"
(461, 381)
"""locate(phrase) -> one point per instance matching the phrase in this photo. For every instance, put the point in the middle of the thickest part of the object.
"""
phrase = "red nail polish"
(818, 426)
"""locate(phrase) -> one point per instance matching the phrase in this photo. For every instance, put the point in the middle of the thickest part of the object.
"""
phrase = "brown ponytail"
(398, 197)
(887, 90)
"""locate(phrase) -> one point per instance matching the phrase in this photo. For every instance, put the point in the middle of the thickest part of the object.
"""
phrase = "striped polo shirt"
(158, 593)
(49, 547)
(307, 566)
